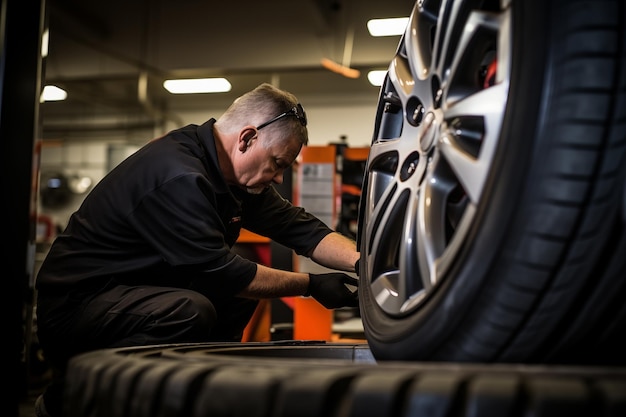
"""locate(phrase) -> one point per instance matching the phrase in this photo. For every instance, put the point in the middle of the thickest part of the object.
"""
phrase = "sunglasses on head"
(297, 111)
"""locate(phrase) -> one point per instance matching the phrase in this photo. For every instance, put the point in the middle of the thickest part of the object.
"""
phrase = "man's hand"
(330, 290)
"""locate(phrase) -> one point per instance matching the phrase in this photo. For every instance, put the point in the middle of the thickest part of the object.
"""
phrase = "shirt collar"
(209, 150)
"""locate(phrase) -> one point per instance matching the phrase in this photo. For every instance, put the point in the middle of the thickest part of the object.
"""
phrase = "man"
(147, 257)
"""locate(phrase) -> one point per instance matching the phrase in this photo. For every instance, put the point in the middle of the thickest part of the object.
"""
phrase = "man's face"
(260, 166)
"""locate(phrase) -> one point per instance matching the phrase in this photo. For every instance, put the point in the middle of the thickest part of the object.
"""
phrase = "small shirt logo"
(235, 219)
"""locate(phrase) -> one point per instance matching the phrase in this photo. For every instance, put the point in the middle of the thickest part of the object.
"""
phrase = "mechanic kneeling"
(148, 259)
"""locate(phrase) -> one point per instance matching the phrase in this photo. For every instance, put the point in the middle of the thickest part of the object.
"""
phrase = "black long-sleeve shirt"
(165, 216)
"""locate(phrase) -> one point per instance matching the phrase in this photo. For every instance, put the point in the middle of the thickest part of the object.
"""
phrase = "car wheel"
(491, 221)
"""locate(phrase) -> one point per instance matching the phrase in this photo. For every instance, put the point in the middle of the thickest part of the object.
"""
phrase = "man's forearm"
(336, 251)
(273, 283)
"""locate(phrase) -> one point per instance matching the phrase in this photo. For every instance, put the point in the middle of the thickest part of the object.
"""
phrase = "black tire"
(273, 380)
(495, 231)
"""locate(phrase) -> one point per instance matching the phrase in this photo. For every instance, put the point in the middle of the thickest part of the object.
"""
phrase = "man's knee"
(185, 316)
(197, 310)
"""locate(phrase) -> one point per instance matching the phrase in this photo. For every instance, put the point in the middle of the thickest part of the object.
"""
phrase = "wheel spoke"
(478, 31)
(412, 280)
(385, 271)
(423, 22)
(433, 207)
(472, 172)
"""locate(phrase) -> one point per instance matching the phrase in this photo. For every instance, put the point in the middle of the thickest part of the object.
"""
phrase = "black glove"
(331, 291)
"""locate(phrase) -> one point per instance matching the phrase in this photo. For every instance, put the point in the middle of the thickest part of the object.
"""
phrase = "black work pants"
(122, 316)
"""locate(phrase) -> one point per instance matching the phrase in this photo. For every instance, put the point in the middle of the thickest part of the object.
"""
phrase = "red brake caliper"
(490, 76)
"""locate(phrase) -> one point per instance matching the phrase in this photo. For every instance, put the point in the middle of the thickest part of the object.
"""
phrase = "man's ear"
(245, 136)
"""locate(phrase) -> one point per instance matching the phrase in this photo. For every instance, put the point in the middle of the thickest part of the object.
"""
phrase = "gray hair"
(260, 105)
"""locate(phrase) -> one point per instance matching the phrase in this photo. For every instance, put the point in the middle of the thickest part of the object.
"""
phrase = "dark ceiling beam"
(71, 17)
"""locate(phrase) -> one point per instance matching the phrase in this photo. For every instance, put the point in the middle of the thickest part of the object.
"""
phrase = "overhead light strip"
(387, 27)
(376, 77)
(53, 93)
(197, 85)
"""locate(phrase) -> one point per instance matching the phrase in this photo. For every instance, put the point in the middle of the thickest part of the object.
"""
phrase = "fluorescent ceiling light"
(387, 27)
(53, 93)
(376, 77)
(44, 43)
(197, 85)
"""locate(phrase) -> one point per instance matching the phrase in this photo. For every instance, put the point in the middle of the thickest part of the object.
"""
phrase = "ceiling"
(112, 56)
